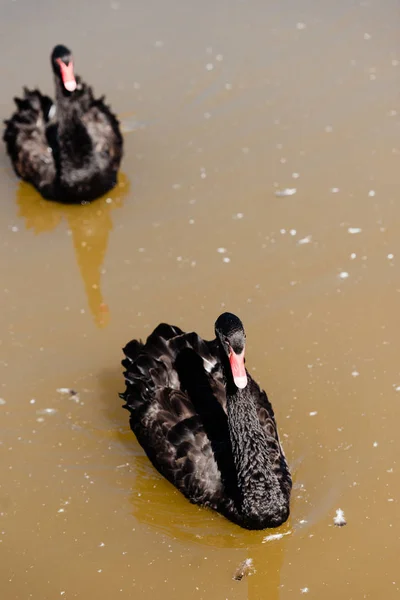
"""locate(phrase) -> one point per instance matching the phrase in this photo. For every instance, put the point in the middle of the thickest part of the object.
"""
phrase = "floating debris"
(304, 590)
(285, 192)
(70, 392)
(244, 569)
(339, 519)
(275, 536)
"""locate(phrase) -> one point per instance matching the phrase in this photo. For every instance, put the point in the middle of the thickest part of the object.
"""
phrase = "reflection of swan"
(90, 226)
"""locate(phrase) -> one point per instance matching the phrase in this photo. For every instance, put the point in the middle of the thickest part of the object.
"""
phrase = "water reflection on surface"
(89, 226)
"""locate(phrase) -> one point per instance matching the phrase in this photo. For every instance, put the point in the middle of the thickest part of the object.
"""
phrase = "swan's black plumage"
(70, 150)
(216, 443)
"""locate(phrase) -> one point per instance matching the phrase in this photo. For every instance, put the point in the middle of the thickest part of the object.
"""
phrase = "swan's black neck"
(262, 501)
(75, 145)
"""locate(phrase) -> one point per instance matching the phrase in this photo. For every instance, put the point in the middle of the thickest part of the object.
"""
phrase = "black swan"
(69, 150)
(206, 425)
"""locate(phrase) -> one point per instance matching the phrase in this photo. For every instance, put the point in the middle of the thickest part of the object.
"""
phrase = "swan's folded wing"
(176, 443)
(26, 141)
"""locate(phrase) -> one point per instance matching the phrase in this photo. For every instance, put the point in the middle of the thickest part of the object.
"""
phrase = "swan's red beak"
(238, 370)
(67, 75)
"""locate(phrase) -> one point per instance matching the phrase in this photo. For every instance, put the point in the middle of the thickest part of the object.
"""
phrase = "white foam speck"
(274, 536)
(353, 255)
(313, 413)
(300, 26)
(219, 57)
(355, 373)
(354, 230)
(2, 402)
(305, 240)
(390, 256)
(334, 190)
(343, 275)
(304, 590)
(375, 444)
(285, 192)
(292, 232)
(226, 259)
(209, 66)
(295, 175)
(367, 36)
(221, 250)
(371, 193)
(46, 411)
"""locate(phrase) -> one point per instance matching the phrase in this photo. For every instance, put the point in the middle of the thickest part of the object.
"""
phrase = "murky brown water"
(223, 103)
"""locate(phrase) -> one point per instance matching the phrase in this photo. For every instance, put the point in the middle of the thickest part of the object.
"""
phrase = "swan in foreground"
(206, 425)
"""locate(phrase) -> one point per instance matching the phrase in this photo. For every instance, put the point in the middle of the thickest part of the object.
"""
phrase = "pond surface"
(224, 105)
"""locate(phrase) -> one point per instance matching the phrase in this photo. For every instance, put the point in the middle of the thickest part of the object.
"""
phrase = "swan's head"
(230, 332)
(63, 67)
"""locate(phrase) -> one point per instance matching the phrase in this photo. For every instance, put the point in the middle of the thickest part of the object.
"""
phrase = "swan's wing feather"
(26, 142)
(163, 417)
(101, 123)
